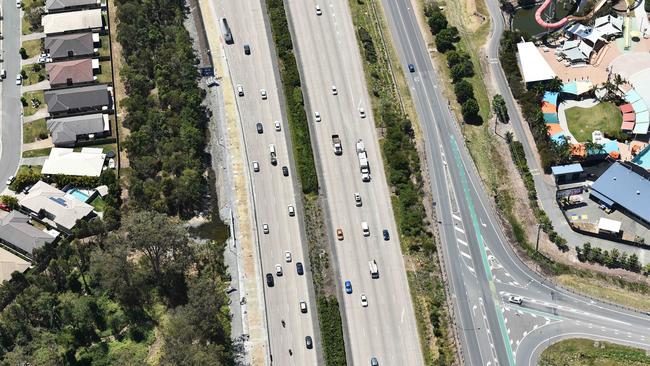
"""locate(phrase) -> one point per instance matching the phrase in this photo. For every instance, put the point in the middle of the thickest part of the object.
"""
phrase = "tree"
(455, 57)
(34, 16)
(445, 39)
(10, 201)
(470, 110)
(500, 109)
(464, 91)
(23, 53)
(437, 21)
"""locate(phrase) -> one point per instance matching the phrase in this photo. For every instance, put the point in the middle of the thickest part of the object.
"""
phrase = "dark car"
(269, 280)
(300, 269)
(411, 68)
(285, 171)
(308, 342)
(260, 128)
(247, 49)
(386, 235)
(348, 287)
(374, 362)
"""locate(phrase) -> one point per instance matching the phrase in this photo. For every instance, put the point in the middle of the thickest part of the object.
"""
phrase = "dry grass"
(118, 86)
(605, 290)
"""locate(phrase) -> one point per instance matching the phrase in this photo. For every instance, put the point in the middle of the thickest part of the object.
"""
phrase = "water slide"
(565, 20)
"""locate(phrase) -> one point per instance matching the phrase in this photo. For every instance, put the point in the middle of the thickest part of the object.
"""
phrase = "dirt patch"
(119, 92)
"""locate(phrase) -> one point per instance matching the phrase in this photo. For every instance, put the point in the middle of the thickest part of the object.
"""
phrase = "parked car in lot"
(269, 280)
(348, 287)
(299, 269)
(516, 300)
(3, 74)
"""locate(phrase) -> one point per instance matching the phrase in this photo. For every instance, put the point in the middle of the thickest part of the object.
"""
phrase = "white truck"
(336, 143)
(364, 167)
(274, 159)
(374, 271)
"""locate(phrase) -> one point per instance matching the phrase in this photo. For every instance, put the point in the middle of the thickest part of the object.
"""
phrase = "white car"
(277, 125)
(256, 166)
(357, 199)
(362, 113)
(240, 90)
(287, 256)
(263, 93)
(303, 307)
(318, 11)
(10, 180)
(334, 90)
(292, 211)
(19, 4)
(111, 163)
(278, 270)
(265, 228)
(516, 300)
(317, 116)
(19, 79)
(364, 300)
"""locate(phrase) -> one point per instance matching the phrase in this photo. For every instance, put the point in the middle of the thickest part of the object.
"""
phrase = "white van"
(274, 159)
(365, 229)
(374, 271)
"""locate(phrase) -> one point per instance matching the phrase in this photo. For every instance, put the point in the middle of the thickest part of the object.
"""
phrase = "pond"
(524, 19)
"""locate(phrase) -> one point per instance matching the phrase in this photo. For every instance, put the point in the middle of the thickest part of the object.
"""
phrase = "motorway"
(482, 268)
(10, 126)
(272, 191)
(328, 54)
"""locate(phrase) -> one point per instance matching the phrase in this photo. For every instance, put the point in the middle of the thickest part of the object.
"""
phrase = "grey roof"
(566, 169)
(80, 44)
(64, 131)
(62, 4)
(14, 229)
(61, 100)
(627, 188)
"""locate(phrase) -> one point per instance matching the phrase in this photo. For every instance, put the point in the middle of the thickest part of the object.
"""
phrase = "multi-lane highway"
(273, 192)
(11, 125)
(482, 268)
(328, 55)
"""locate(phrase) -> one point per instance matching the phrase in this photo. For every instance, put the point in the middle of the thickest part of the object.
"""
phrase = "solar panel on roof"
(59, 200)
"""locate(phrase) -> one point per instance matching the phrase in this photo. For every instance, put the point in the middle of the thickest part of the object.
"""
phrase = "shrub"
(446, 38)
(368, 46)
(464, 91)
(470, 110)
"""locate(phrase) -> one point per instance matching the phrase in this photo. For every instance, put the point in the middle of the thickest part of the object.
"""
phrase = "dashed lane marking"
(462, 242)
(459, 230)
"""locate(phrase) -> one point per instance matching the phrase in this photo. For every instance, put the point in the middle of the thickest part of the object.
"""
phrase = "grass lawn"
(607, 290)
(29, 109)
(105, 49)
(105, 147)
(106, 75)
(605, 117)
(27, 6)
(98, 204)
(579, 352)
(33, 47)
(35, 74)
(34, 131)
(37, 152)
(26, 169)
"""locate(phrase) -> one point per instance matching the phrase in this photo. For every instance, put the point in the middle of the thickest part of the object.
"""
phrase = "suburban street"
(482, 268)
(273, 192)
(335, 87)
(10, 126)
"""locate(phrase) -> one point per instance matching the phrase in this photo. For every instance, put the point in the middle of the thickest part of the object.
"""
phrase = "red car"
(4, 207)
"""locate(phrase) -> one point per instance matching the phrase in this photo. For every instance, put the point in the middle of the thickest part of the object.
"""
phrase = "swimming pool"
(643, 158)
(81, 196)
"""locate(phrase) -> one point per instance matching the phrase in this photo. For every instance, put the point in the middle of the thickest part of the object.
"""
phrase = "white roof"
(612, 226)
(533, 65)
(88, 162)
(9, 263)
(61, 208)
(72, 21)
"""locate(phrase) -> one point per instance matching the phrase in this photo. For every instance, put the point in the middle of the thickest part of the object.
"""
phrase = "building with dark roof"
(53, 6)
(67, 131)
(70, 45)
(16, 232)
(625, 187)
(72, 72)
(75, 100)
(567, 173)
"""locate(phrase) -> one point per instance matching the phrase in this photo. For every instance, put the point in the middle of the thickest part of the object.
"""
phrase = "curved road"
(482, 268)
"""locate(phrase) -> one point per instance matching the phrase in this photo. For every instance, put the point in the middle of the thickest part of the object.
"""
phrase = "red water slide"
(547, 25)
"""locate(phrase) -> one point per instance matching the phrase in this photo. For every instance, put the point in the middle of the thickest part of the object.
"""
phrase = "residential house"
(53, 6)
(74, 21)
(17, 233)
(68, 131)
(73, 72)
(77, 100)
(54, 207)
(71, 45)
(10, 263)
(89, 162)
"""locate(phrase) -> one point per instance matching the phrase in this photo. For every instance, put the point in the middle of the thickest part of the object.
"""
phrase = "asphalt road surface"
(11, 124)
(483, 270)
(328, 55)
(273, 192)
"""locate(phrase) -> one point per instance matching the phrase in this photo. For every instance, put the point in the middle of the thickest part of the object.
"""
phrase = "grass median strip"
(586, 352)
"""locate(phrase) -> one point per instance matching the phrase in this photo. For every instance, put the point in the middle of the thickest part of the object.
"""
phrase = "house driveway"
(41, 113)
(43, 85)
(39, 160)
(32, 36)
(40, 144)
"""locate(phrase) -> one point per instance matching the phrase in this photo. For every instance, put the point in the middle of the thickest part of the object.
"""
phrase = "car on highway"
(287, 256)
(386, 234)
(260, 127)
(348, 287)
(269, 280)
(362, 113)
(334, 90)
(374, 362)
(300, 269)
(365, 229)
(317, 116)
(339, 234)
(19, 79)
(364, 300)
(265, 228)
(515, 300)
(3, 74)
(247, 49)
(256, 166)
(240, 90)
(357, 199)
(411, 68)
(10, 180)
(303, 307)
(308, 342)
(285, 171)
(292, 211)
(263, 93)
(278, 270)
(277, 125)
(19, 3)
(318, 11)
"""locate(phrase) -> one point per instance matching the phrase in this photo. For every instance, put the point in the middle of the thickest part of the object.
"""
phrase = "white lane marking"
(462, 242)
(459, 229)
(465, 255)
(456, 217)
